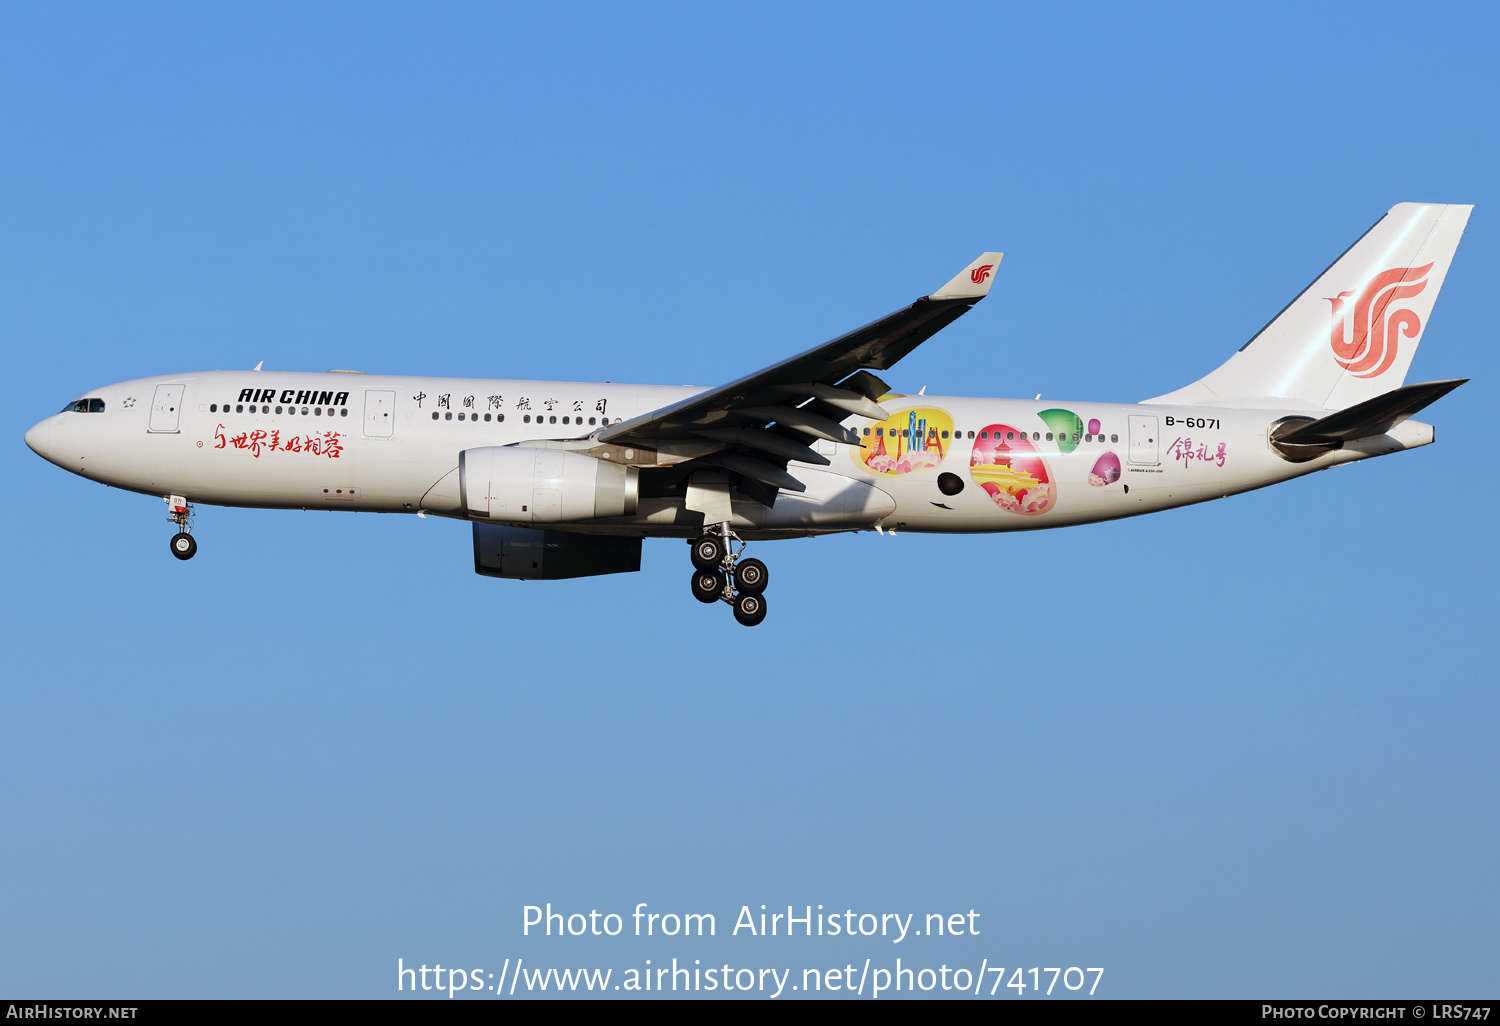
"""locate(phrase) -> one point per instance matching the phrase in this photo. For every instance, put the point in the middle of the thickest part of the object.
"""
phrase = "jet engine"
(529, 554)
(521, 485)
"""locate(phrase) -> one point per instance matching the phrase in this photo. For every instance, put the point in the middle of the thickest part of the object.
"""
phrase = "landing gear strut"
(719, 575)
(181, 513)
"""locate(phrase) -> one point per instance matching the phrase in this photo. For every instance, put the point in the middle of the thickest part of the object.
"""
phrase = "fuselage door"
(166, 408)
(380, 413)
(1145, 447)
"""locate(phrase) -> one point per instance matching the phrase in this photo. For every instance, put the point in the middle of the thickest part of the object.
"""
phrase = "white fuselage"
(940, 464)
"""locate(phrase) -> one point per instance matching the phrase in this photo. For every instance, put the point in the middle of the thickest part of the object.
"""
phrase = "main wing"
(753, 426)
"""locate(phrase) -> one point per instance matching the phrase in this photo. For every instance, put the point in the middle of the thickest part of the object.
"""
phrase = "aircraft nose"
(38, 437)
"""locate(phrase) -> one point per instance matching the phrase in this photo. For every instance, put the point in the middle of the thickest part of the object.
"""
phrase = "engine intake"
(520, 485)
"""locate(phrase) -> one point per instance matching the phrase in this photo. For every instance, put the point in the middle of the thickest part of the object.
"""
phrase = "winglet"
(973, 282)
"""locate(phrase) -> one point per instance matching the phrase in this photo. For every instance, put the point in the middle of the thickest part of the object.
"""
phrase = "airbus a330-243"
(565, 479)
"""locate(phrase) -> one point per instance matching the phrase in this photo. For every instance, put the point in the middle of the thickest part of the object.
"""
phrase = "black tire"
(708, 553)
(183, 546)
(749, 609)
(708, 585)
(751, 576)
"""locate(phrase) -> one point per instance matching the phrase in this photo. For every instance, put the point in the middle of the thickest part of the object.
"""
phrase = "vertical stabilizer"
(1351, 334)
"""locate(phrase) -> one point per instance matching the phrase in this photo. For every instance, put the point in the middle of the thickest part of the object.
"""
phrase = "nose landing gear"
(719, 575)
(181, 513)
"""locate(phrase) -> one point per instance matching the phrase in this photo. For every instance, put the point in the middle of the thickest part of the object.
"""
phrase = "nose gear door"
(166, 408)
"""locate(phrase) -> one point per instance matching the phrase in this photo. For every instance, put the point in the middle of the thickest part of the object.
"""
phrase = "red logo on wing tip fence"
(980, 273)
(1364, 336)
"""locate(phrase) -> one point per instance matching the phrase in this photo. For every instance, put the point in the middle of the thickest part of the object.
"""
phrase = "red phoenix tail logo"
(1364, 336)
(980, 273)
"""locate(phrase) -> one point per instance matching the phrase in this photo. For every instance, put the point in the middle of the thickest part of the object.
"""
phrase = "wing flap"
(806, 396)
(876, 346)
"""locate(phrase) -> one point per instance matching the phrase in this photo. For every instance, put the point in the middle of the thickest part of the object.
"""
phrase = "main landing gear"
(181, 514)
(720, 575)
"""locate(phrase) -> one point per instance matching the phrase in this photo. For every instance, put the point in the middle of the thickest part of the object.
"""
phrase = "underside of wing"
(755, 426)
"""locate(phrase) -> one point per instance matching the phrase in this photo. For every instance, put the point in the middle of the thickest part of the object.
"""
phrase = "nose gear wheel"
(180, 512)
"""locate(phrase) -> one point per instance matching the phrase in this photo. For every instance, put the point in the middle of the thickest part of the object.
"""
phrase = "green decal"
(1065, 425)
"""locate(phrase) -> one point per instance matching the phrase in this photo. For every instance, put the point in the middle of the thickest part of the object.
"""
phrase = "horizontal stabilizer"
(1371, 417)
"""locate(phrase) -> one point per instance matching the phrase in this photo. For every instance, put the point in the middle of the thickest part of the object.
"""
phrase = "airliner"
(563, 479)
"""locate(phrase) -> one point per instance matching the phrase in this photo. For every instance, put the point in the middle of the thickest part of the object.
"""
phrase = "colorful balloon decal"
(1011, 471)
(1066, 426)
(912, 440)
(1106, 470)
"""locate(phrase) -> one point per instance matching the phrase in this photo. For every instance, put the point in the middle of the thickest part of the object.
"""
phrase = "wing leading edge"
(753, 426)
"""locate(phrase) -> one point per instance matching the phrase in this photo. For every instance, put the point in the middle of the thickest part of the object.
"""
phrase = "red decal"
(328, 444)
(1367, 346)
(980, 273)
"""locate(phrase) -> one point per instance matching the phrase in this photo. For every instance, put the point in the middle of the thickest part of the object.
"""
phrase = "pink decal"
(1182, 449)
(1106, 470)
(1010, 470)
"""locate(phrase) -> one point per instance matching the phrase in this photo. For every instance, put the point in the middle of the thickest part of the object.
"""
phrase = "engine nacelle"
(529, 554)
(520, 485)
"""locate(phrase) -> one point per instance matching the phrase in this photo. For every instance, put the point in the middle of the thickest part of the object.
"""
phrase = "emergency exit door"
(166, 408)
(1145, 442)
(380, 413)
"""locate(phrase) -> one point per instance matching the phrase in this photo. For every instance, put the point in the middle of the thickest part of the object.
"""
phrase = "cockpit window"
(85, 406)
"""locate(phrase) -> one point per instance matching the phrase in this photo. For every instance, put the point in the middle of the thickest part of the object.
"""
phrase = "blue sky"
(1235, 750)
